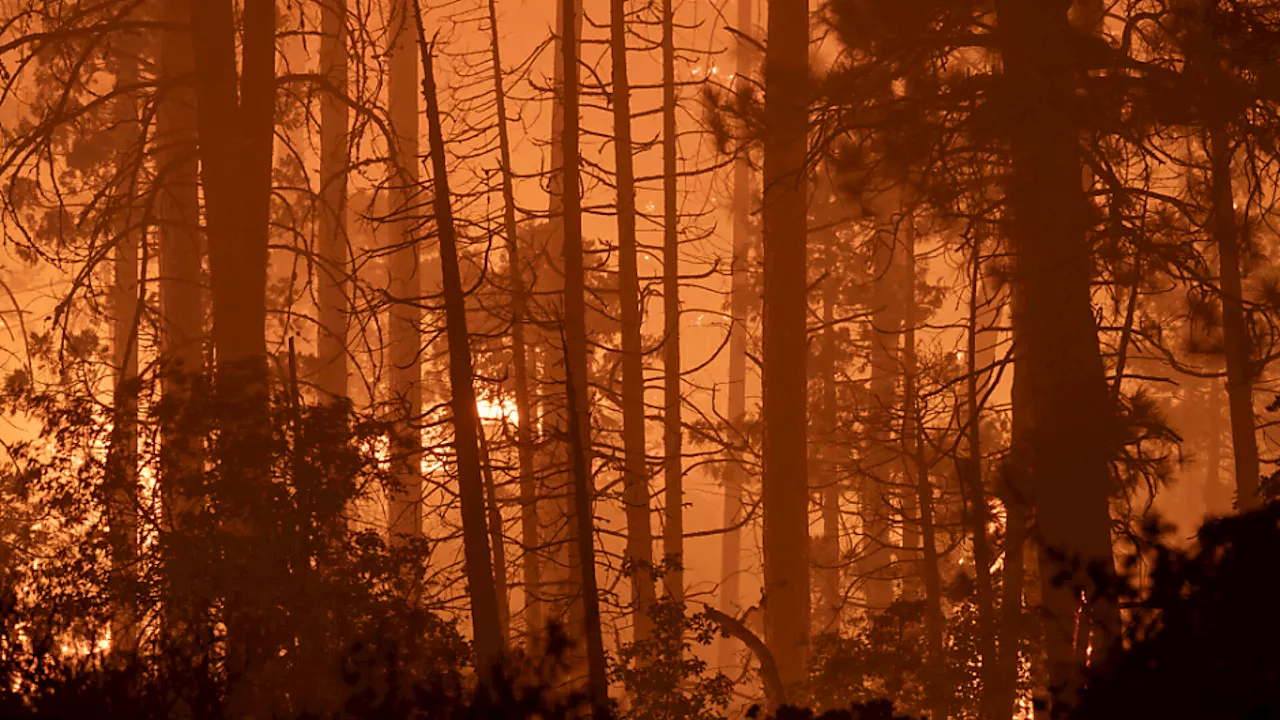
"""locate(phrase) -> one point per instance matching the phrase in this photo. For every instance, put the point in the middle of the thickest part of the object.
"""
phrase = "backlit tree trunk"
(485, 622)
(1217, 501)
(333, 268)
(917, 469)
(560, 575)
(182, 455)
(582, 550)
(978, 512)
(786, 487)
(497, 538)
(635, 474)
(1071, 421)
(405, 351)
(886, 334)
(122, 466)
(1235, 328)
(735, 473)
(828, 485)
(673, 530)
(236, 119)
(519, 351)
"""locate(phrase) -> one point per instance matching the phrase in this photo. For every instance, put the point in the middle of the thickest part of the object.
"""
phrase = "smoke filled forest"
(640, 359)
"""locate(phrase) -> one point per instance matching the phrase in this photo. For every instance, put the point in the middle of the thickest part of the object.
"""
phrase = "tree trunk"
(886, 333)
(121, 482)
(673, 530)
(405, 323)
(774, 692)
(1000, 686)
(1022, 569)
(735, 473)
(829, 482)
(182, 455)
(561, 573)
(786, 487)
(497, 539)
(969, 471)
(582, 556)
(333, 268)
(639, 551)
(597, 677)
(1071, 421)
(1217, 501)
(519, 352)
(1004, 692)
(236, 120)
(1235, 328)
(485, 622)
(913, 442)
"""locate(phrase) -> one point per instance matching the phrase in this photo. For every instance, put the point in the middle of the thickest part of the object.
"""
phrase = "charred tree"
(497, 538)
(485, 621)
(519, 350)
(560, 575)
(639, 551)
(582, 549)
(735, 473)
(673, 471)
(333, 268)
(1235, 327)
(405, 334)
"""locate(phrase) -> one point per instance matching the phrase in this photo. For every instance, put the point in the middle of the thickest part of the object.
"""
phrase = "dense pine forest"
(639, 359)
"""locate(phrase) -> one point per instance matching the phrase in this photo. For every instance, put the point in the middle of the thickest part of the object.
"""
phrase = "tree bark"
(182, 452)
(886, 334)
(121, 482)
(497, 539)
(405, 332)
(561, 572)
(597, 669)
(485, 622)
(1022, 570)
(917, 465)
(333, 269)
(1004, 692)
(1071, 423)
(735, 473)
(1235, 327)
(639, 551)
(969, 471)
(1215, 496)
(582, 550)
(786, 490)
(673, 530)
(827, 486)
(236, 120)
(519, 351)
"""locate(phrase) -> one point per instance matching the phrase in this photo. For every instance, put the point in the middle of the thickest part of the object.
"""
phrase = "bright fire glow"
(503, 409)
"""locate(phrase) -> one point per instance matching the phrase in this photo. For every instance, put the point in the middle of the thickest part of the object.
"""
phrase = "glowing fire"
(503, 409)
